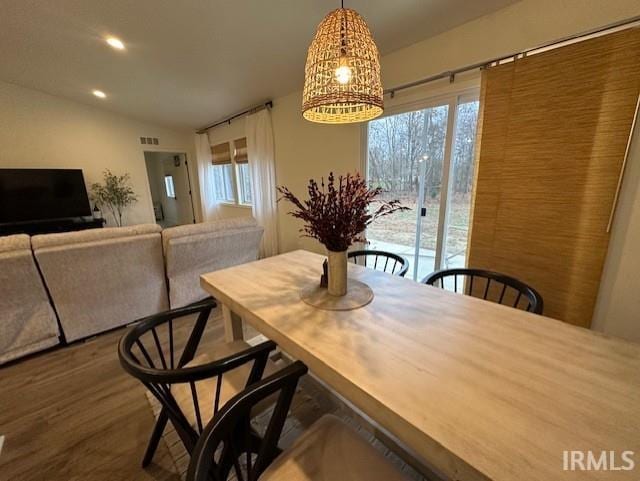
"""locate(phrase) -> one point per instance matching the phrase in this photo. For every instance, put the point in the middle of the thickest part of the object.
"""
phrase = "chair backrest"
(230, 442)
(155, 352)
(380, 260)
(490, 286)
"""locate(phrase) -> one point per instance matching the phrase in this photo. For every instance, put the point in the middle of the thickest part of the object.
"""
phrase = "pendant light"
(342, 74)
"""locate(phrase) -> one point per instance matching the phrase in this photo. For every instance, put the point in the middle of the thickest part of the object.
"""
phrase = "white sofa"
(192, 250)
(103, 278)
(100, 279)
(27, 321)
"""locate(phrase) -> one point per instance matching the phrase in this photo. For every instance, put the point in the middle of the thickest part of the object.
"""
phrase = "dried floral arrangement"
(337, 213)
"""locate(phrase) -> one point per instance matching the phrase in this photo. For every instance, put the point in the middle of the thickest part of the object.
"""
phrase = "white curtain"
(210, 206)
(260, 149)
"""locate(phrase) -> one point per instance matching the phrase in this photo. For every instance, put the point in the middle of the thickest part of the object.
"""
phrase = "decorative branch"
(338, 215)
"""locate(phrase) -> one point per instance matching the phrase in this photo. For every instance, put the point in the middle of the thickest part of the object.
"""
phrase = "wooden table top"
(479, 390)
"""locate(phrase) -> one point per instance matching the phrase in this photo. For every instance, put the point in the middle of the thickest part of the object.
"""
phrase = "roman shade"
(221, 154)
(240, 151)
(553, 131)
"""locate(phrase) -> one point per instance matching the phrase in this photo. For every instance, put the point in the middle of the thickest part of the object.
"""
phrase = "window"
(425, 158)
(169, 187)
(245, 183)
(222, 172)
(241, 160)
(231, 176)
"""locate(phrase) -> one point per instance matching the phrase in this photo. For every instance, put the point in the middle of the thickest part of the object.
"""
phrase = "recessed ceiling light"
(115, 43)
(100, 94)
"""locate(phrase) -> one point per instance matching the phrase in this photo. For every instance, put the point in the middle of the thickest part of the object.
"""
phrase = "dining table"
(476, 390)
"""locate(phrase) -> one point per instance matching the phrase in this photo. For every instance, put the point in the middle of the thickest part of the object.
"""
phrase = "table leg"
(232, 325)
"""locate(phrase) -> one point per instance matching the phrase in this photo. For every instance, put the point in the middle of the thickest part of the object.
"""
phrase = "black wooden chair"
(380, 260)
(328, 450)
(490, 286)
(230, 442)
(191, 388)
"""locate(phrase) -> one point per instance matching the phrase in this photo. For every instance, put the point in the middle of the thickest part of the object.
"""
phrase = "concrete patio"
(425, 261)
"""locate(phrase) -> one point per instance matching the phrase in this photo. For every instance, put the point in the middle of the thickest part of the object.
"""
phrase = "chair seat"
(233, 382)
(331, 450)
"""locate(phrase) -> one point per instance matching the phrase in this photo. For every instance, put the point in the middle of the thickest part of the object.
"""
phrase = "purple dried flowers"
(337, 215)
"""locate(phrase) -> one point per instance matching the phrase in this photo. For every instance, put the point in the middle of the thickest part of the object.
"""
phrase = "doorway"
(425, 158)
(170, 185)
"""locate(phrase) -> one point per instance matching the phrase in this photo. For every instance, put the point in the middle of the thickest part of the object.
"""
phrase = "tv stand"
(51, 226)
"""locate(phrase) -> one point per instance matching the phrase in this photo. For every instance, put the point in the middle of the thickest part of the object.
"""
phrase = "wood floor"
(72, 414)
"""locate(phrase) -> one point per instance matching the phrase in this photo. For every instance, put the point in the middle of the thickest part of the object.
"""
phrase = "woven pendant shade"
(342, 75)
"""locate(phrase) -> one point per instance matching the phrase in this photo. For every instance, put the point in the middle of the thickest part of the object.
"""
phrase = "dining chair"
(380, 260)
(190, 388)
(488, 285)
(328, 450)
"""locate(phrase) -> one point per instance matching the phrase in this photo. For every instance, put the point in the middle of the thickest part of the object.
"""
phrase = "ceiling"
(190, 62)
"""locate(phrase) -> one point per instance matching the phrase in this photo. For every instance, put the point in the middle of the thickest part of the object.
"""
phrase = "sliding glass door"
(424, 157)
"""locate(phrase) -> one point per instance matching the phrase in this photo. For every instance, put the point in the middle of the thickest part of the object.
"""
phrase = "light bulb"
(343, 74)
(115, 43)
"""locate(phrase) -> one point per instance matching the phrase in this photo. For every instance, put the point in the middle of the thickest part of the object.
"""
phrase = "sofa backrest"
(193, 250)
(89, 235)
(27, 320)
(103, 278)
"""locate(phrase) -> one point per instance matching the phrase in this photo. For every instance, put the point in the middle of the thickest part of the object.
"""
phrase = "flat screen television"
(28, 195)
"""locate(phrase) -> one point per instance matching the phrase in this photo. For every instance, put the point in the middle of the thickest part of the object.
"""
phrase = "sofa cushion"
(191, 251)
(27, 320)
(101, 284)
(206, 227)
(15, 242)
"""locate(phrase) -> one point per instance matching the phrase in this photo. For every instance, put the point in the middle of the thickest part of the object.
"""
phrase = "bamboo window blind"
(553, 130)
(240, 151)
(222, 153)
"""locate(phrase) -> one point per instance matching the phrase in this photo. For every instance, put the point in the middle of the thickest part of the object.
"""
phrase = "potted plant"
(336, 214)
(115, 194)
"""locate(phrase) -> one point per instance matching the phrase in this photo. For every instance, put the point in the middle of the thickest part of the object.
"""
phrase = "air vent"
(149, 141)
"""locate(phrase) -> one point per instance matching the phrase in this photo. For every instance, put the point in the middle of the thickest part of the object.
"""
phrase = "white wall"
(523, 25)
(305, 150)
(38, 130)
(618, 308)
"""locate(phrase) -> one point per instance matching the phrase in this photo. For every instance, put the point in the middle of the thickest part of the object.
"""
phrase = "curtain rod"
(256, 108)
(450, 74)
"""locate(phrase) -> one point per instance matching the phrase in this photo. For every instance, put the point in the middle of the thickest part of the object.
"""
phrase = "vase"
(337, 273)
